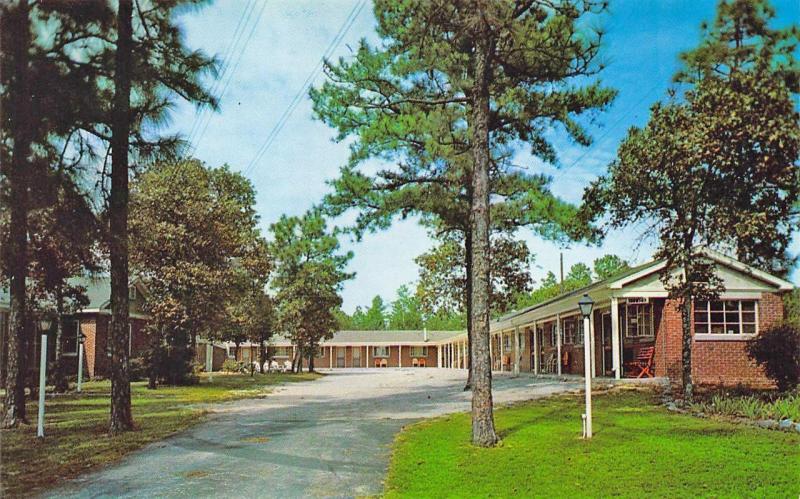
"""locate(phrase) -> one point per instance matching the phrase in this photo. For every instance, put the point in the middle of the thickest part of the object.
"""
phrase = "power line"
(244, 19)
(608, 131)
(235, 67)
(276, 129)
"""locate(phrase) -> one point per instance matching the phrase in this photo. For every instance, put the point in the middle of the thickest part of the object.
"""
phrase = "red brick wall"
(714, 362)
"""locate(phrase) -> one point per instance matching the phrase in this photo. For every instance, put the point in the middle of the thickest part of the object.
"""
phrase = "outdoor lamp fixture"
(44, 323)
(585, 305)
(81, 341)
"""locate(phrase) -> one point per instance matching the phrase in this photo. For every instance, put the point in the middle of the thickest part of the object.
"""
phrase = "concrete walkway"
(324, 438)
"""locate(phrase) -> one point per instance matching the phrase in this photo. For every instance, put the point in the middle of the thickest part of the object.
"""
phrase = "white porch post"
(591, 345)
(535, 349)
(439, 356)
(491, 352)
(502, 353)
(516, 351)
(330, 357)
(558, 344)
(400, 355)
(615, 338)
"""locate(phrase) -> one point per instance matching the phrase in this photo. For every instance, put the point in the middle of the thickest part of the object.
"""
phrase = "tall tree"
(425, 98)
(716, 167)
(195, 239)
(16, 40)
(442, 275)
(609, 265)
(308, 279)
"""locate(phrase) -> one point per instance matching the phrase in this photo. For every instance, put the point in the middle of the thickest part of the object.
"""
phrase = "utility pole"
(561, 282)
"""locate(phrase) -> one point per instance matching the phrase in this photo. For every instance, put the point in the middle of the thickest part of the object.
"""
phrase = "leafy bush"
(137, 368)
(777, 350)
(233, 366)
(786, 406)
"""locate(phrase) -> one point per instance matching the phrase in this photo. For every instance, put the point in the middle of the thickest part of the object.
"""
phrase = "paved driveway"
(323, 438)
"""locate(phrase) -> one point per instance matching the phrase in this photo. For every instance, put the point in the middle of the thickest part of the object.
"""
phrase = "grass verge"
(639, 450)
(76, 431)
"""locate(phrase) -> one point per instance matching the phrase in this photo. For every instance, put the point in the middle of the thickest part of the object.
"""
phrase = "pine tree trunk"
(311, 360)
(262, 354)
(483, 431)
(18, 178)
(468, 302)
(121, 418)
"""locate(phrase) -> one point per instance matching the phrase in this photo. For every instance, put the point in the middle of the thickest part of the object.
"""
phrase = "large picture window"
(726, 317)
(380, 351)
(638, 320)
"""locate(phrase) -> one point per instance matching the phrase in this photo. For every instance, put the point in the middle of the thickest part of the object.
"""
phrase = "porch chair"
(421, 362)
(414, 362)
(287, 366)
(643, 365)
(550, 364)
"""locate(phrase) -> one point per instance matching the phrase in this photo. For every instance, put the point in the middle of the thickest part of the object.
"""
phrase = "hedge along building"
(366, 349)
(93, 322)
(636, 328)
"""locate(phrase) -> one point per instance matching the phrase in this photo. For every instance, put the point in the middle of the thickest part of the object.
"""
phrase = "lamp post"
(585, 305)
(45, 326)
(81, 340)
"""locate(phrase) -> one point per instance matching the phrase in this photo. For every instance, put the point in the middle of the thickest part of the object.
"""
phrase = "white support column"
(491, 352)
(502, 353)
(592, 345)
(438, 356)
(535, 349)
(516, 351)
(42, 381)
(400, 355)
(615, 338)
(330, 357)
(558, 344)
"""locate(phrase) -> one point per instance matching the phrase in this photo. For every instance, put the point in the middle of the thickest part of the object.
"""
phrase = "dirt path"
(326, 438)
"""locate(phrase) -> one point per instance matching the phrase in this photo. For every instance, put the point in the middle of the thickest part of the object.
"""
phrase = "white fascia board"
(781, 284)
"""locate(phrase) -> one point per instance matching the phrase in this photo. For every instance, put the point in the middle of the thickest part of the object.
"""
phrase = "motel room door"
(356, 356)
(340, 356)
(605, 342)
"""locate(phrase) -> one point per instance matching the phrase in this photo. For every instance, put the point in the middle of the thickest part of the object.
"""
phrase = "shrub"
(137, 369)
(231, 366)
(777, 350)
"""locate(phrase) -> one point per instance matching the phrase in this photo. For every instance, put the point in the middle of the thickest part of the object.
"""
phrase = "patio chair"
(273, 366)
(414, 362)
(550, 364)
(287, 366)
(421, 362)
(643, 365)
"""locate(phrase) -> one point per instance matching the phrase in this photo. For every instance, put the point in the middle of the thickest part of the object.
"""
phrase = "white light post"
(585, 305)
(81, 339)
(45, 325)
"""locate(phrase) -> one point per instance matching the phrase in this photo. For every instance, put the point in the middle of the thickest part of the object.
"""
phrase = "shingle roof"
(381, 336)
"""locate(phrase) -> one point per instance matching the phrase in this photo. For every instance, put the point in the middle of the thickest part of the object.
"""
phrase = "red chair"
(643, 365)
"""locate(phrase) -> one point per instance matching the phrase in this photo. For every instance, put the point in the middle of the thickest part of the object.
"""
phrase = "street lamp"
(585, 305)
(81, 341)
(44, 324)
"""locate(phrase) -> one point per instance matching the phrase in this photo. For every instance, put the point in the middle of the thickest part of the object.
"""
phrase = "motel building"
(636, 331)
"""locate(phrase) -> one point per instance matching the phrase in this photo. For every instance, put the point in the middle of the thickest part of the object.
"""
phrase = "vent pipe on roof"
(424, 334)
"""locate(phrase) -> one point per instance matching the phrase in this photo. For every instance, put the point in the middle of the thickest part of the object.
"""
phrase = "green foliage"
(609, 265)
(234, 366)
(308, 278)
(442, 286)
(579, 275)
(777, 350)
(373, 318)
(194, 238)
(786, 406)
(639, 450)
(791, 307)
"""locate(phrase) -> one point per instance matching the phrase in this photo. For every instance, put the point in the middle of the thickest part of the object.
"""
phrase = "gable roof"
(626, 277)
(98, 291)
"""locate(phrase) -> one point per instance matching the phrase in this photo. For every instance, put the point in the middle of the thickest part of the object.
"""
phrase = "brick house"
(93, 322)
(633, 317)
(366, 349)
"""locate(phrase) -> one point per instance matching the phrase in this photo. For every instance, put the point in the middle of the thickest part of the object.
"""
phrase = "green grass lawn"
(639, 450)
(76, 431)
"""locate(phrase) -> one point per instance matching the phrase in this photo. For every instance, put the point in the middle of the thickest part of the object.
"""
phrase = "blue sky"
(269, 67)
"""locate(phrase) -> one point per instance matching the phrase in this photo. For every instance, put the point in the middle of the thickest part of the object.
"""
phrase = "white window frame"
(384, 352)
(417, 354)
(651, 325)
(741, 335)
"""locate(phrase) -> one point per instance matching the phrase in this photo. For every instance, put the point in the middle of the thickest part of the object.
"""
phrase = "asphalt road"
(324, 438)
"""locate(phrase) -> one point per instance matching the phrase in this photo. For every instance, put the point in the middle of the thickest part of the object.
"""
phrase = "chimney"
(425, 334)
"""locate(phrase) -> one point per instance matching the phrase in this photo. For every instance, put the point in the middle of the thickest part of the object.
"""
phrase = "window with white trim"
(507, 342)
(380, 351)
(281, 352)
(553, 334)
(726, 317)
(419, 351)
(573, 331)
(72, 330)
(638, 320)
